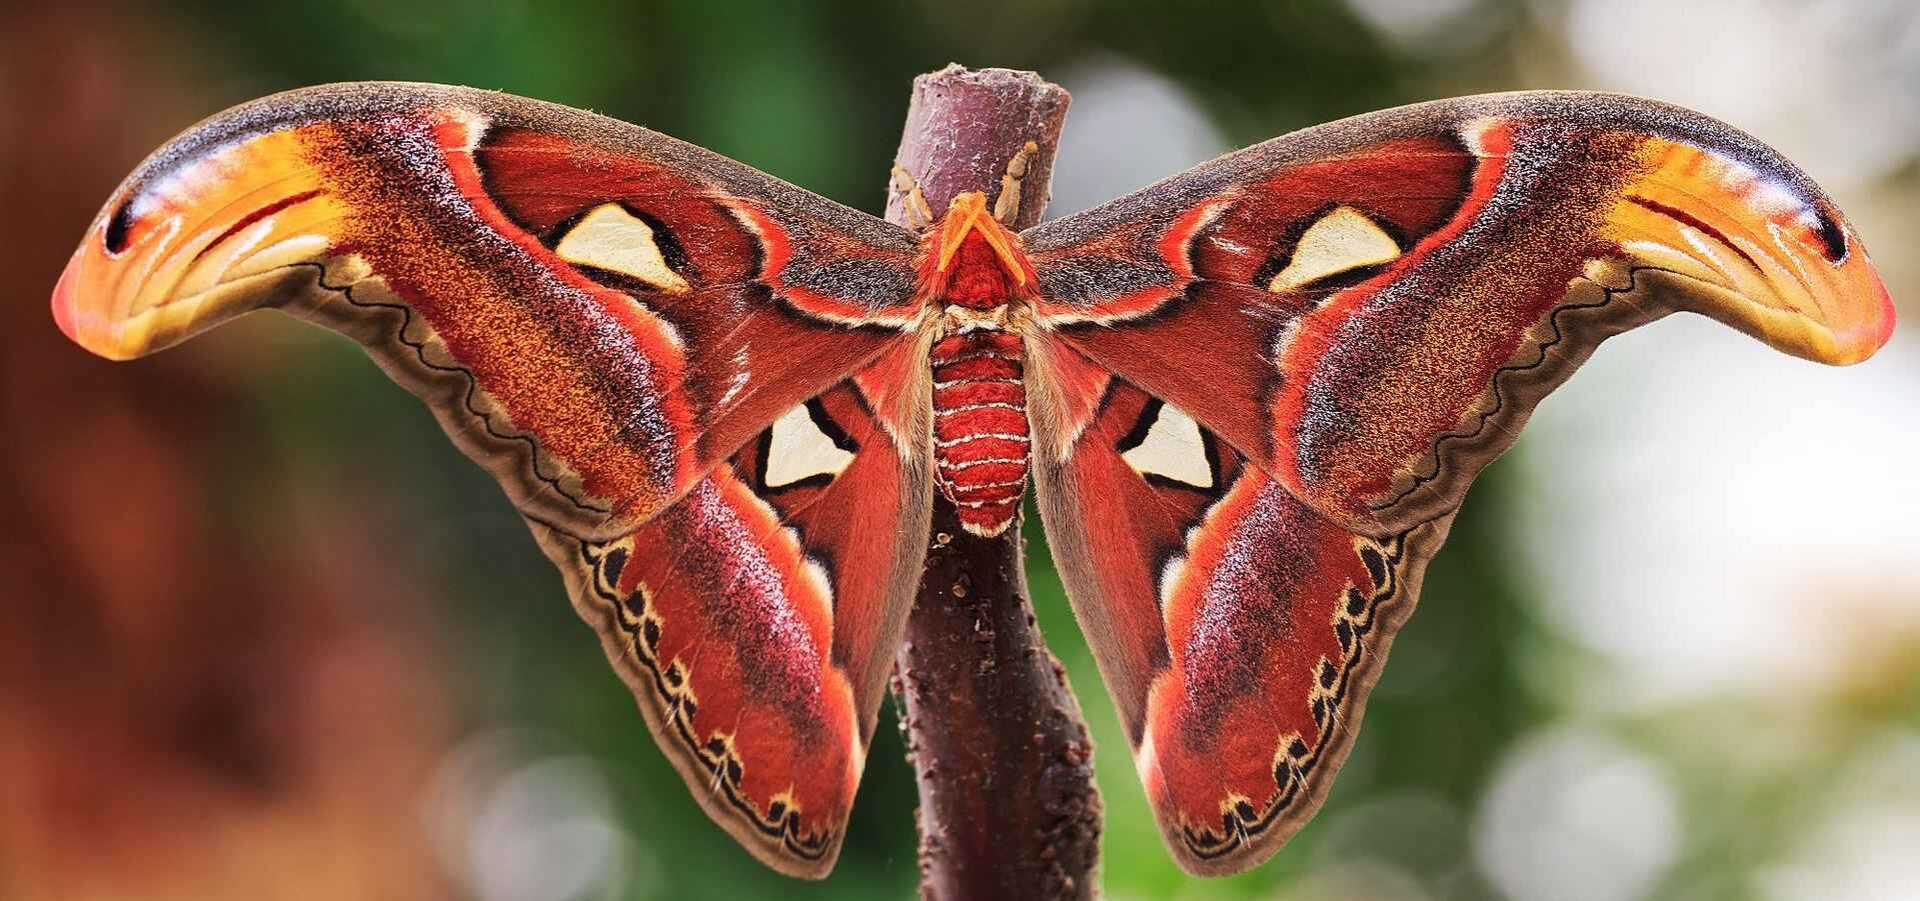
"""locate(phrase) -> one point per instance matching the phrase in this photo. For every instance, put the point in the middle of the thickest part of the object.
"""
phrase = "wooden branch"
(1008, 807)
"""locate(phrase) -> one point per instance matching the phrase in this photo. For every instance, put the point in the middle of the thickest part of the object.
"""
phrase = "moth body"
(981, 439)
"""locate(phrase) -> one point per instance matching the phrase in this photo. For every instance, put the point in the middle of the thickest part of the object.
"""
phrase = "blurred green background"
(267, 634)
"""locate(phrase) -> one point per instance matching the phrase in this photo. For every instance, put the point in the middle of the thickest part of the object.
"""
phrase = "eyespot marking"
(1342, 240)
(1833, 237)
(613, 239)
(119, 226)
(1169, 445)
(801, 447)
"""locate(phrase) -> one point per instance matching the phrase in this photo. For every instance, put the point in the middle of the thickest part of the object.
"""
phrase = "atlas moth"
(1249, 399)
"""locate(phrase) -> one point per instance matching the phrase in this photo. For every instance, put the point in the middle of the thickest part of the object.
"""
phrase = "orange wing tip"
(1776, 260)
(1887, 318)
(1869, 336)
(81, 304)
(182, 248)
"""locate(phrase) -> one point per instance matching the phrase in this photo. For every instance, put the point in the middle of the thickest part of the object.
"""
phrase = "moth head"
(970, 260)
(967, 217)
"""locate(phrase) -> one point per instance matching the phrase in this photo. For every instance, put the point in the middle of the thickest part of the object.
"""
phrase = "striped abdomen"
(980, 427)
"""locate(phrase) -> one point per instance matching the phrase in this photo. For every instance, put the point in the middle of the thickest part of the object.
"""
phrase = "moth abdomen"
(980, 443)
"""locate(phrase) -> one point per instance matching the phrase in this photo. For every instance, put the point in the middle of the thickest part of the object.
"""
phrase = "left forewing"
(598, 314)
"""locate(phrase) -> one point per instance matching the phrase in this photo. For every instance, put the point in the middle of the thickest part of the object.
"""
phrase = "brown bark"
(1008, 807)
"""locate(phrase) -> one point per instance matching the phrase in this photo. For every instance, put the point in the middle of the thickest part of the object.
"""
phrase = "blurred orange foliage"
(186, 711)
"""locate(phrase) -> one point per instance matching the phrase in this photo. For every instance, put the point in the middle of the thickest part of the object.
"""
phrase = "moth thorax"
(980, 439)
(977, 280)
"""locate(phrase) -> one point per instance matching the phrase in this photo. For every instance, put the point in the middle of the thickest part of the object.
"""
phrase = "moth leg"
(919, 213)
(1007, 205)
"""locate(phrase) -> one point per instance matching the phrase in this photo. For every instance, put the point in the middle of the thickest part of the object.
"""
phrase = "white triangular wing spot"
(613, 239)
(1341, 240)
(800, 450)
(1172, 449)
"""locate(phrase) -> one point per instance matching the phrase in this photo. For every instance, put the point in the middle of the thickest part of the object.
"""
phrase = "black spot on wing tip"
(119, 228)
(1833, 235)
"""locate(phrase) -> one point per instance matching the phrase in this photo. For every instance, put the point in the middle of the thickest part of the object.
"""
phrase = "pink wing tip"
(1888, 313)
(1864, 338)
(63, 302)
